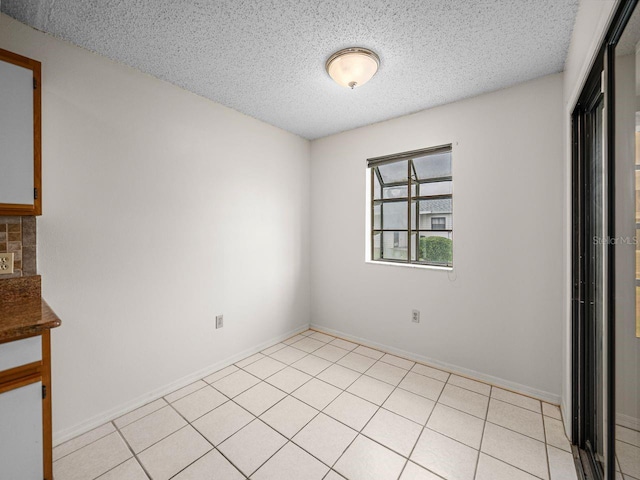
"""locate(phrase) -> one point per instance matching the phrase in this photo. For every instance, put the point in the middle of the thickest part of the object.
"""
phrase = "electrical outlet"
(415, 316)
(219, 321)
(6, 263)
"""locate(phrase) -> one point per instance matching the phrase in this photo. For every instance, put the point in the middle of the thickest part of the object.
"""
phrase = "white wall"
(499, 313)
(590, 27)
(161, 209)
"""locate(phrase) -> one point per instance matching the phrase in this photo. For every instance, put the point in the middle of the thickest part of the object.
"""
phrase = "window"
(438, 223)
(412, 207)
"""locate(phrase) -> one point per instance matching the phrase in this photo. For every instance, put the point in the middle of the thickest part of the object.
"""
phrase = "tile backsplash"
(18, 235)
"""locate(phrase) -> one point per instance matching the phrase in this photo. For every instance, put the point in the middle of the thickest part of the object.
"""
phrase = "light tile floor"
(316, 407)
(627, 453)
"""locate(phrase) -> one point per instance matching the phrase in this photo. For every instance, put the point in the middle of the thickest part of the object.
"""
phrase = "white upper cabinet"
(20, 135)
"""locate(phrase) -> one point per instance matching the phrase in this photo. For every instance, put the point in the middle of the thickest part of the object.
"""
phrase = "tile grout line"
(106, 423)
(161, 439)
(144, 416)
(289, 440)
(380, 406)
(423, 429)
(83, 446)
(213, 447)
(329, 416)
(116, 466)
(224, 376)
(242, 391)
(258, 418)
(190, 393)
(502, 460)
(484, 426)
(627, 443)
(359, 432)
(515, 431)
(512, 466)
(131, 450)
(396, 387)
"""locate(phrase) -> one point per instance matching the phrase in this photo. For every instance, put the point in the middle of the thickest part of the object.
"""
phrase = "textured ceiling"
(266, 58)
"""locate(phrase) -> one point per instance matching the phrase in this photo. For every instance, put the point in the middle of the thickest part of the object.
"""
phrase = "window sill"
(409, 265)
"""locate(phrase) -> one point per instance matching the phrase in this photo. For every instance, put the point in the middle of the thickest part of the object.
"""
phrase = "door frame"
(583, 350)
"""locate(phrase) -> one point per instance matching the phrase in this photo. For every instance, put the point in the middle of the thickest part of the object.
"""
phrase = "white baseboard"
(63, 435)
(626, 421)
(498, 382)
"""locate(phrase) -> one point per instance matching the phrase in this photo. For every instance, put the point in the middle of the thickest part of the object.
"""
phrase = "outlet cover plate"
(219, 321)
(415, 316)
(6, 263)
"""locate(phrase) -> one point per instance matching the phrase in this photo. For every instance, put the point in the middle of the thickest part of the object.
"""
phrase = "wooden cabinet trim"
(20, 382)
(12, 374)
(47, 433)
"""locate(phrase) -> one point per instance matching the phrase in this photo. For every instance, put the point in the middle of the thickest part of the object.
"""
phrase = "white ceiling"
(266, 58)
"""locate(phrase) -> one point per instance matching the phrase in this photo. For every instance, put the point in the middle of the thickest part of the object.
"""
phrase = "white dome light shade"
(352, 67)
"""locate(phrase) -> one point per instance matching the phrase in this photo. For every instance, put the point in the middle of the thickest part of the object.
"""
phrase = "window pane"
(435, 248)
(376, 246)
(394, 215)
(435, 188)
(394, 245)
(438, 207)
(394, 172)
(436, 222)
(394, 192)
(413, 215)
(377, 225)
(433, 166)
(376, 185)
(413, 247)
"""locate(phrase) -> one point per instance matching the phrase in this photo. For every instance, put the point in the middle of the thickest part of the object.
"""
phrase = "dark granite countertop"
(25, 318)
(23, 312)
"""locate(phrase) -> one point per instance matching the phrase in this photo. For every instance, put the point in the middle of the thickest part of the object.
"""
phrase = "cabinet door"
(21, 433)
(20, 135)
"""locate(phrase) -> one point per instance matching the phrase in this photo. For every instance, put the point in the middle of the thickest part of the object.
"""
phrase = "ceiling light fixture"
(352, 67)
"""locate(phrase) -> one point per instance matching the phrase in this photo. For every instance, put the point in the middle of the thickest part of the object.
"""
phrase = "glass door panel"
(627, 250)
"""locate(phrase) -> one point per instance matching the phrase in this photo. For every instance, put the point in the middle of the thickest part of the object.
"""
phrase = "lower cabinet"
(25, 409)
(21, 442)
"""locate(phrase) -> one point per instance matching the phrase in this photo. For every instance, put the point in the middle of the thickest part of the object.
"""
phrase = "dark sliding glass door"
(590, 285)
(606, 257)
